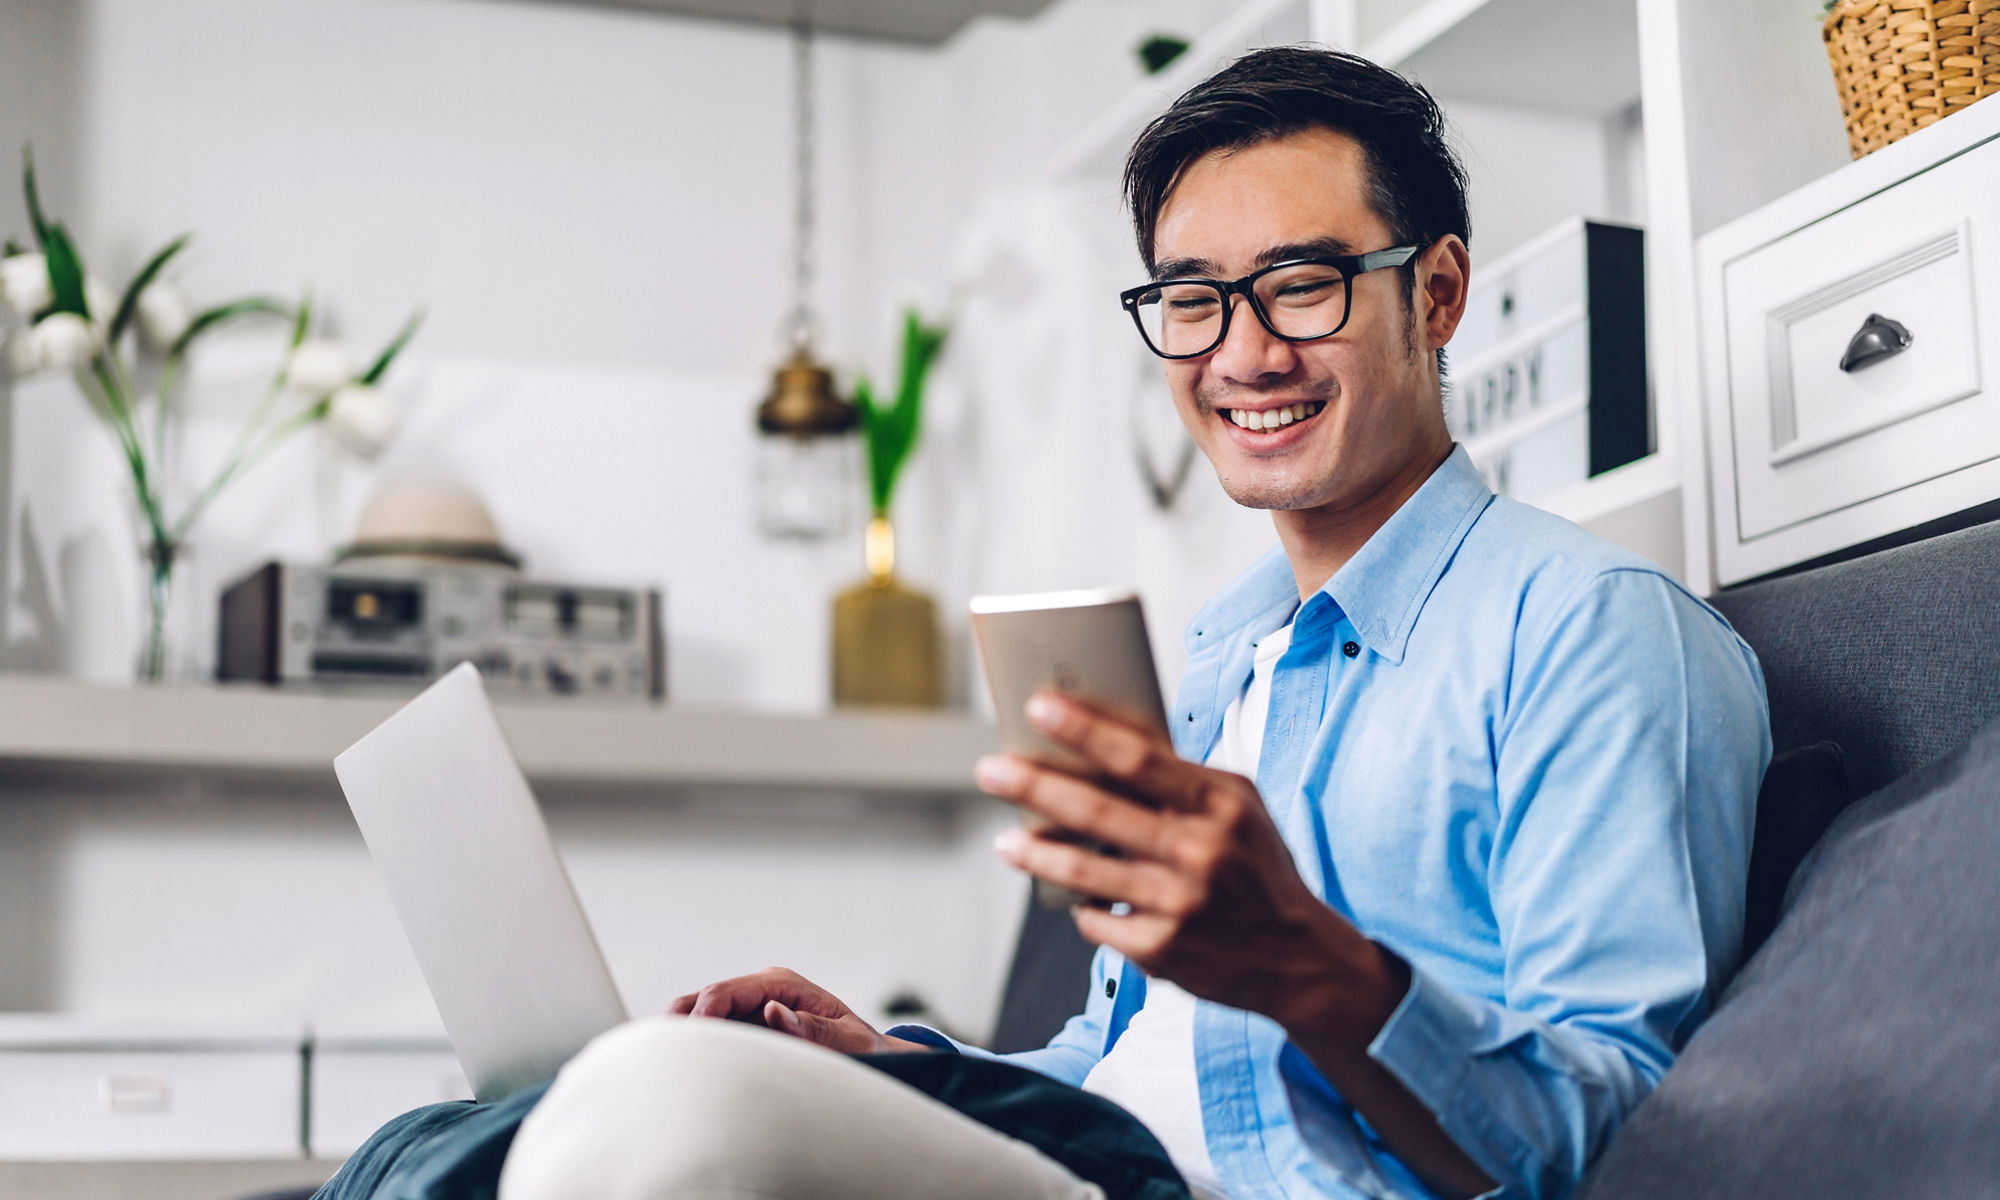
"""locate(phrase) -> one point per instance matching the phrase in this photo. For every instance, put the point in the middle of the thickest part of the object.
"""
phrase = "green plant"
(890, 432)
(69, 323)
(1160, 51)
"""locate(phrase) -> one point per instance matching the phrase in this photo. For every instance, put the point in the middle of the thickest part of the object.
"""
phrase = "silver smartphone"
(1087, 644)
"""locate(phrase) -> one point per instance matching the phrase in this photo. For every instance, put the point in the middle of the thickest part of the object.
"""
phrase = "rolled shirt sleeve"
(1627, 766)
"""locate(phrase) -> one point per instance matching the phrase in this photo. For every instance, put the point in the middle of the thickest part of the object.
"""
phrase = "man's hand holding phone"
(1206, 891)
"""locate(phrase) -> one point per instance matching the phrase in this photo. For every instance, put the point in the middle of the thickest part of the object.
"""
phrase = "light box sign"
(1547, 383)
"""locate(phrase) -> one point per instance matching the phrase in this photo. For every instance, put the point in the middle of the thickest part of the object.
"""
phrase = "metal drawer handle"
(1877, 339)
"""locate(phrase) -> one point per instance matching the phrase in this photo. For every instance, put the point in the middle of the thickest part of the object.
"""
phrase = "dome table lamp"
(805, 454)
(885, 635)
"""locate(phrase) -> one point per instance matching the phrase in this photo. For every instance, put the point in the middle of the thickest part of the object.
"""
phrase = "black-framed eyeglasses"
(1300, 300)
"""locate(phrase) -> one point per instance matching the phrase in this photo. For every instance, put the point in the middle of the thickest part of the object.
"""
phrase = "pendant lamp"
(806, 470)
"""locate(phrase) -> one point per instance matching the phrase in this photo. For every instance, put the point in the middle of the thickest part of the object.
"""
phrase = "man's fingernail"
(997, 773)
(788, 1018)
(1009, 842)
(1044, 710)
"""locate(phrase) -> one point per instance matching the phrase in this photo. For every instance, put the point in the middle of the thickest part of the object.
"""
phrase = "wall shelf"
(1573, 56)
(1620, 488)
(56, 730)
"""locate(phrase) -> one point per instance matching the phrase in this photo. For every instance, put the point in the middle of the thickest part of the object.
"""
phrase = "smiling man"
(1447, 856)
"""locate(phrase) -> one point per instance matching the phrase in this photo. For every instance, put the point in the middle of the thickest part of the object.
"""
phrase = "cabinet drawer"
(356, 1090)
(85, 1104)
(1811, 439)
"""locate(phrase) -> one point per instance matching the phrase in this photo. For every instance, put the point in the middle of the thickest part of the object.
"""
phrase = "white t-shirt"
(1151, 1071)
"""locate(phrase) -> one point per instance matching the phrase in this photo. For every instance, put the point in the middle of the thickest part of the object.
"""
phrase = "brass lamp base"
(885, 637)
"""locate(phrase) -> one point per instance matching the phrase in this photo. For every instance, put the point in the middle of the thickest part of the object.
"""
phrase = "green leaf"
(129, 304)
(12, 248)
(65, 273)
(302, 320)
(253, 305)
(380, 366)
(34, 196)
(891, 433)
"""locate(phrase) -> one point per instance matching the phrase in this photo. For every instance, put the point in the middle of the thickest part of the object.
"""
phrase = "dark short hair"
(1416, 182)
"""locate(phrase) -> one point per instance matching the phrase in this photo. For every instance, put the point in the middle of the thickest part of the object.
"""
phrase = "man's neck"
(1319, 541)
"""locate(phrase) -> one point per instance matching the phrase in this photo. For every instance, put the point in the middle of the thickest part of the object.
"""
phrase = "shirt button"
(1351, 649)
(1110, 988)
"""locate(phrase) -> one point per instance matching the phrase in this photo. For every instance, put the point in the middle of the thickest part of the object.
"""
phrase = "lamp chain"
(804, 215)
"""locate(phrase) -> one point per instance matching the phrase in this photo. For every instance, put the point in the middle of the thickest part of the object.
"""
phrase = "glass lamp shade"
(805, 485)
(807, 474)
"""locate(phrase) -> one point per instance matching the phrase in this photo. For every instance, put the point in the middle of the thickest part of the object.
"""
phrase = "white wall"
(560, 183)
(593, 205)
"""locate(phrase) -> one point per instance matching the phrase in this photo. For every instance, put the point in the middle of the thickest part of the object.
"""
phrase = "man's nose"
(1250, 352)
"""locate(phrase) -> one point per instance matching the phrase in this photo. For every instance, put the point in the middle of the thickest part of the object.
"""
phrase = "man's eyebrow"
(1186, 268)
(1326, 247)
(1207, 268)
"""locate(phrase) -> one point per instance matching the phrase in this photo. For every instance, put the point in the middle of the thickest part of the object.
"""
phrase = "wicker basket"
(1902, 64)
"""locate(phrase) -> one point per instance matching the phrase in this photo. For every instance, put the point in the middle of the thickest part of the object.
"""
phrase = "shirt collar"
(1381, 589)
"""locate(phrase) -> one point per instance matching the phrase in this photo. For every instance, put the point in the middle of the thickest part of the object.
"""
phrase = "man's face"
(1373, 385)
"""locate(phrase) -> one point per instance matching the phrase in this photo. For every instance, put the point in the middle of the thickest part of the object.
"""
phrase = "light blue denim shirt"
(1526, 762)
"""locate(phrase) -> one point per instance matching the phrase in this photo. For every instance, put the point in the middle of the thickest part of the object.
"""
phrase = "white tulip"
(17, 354)
(24, 284)
(319, 367)
(361, 418)
(101, 301)
(60, 341)
(165, 312)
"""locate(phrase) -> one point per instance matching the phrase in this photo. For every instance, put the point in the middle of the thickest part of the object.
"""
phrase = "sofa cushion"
(1891, 655)
(1859, 1054)
(1803, 791)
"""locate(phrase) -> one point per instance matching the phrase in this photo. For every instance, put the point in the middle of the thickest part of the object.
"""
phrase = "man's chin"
(1272, 495)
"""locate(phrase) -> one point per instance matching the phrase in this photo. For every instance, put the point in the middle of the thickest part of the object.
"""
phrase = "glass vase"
(157, 649)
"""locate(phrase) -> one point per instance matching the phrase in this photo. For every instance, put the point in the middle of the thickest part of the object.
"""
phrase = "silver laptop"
(510, 959)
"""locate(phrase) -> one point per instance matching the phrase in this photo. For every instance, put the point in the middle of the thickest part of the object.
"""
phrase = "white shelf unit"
(54, 731)
(1576, 59)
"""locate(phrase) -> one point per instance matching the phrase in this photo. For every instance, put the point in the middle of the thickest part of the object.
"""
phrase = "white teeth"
(1273, 418)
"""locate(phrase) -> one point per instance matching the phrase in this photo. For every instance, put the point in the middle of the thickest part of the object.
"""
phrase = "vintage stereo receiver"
(362, 622)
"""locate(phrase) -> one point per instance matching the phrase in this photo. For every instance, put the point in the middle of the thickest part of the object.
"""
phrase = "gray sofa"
(1857, 1052)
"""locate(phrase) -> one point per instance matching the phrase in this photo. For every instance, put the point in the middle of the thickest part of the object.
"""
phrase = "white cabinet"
(1847, 368)
(78, 1090)
(359, 1083)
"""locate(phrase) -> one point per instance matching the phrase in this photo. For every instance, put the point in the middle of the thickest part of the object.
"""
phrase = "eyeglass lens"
(1301, 302)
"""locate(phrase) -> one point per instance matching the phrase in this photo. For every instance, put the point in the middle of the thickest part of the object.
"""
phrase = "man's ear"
(1444, 273)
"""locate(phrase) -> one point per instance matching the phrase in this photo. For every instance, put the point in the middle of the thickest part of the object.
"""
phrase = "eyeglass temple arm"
(1394, 256)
